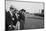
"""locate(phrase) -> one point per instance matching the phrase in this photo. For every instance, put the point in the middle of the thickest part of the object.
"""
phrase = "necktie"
(13, 17)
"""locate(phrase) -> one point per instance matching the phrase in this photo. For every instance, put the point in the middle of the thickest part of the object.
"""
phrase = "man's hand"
(9, 25)
(12, 18)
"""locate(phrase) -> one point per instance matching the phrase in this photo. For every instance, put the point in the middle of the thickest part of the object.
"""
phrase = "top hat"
(22, 10)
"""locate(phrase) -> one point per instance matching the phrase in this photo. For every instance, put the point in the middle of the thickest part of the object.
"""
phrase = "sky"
(29, 7)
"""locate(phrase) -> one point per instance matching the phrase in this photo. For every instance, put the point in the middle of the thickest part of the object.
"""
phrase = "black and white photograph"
(23, 15)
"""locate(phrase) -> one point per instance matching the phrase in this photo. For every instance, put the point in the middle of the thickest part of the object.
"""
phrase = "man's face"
(12, 10)
(23, 12)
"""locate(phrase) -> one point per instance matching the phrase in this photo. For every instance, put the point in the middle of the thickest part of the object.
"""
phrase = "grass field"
(33, 22)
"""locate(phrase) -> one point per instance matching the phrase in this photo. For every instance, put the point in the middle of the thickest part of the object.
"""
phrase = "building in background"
(29, 7)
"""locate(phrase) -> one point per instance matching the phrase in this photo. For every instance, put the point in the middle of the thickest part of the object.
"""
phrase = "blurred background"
(34, 17)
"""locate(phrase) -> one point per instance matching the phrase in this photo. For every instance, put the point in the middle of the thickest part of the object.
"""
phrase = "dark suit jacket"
(9, 19)
(6, 25)
(21, 17)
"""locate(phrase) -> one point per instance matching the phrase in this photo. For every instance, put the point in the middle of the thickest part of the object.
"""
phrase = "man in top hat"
(22, 18)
